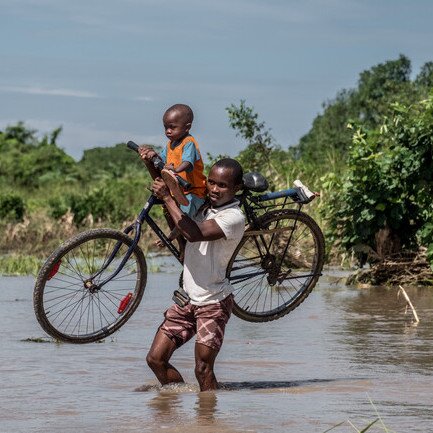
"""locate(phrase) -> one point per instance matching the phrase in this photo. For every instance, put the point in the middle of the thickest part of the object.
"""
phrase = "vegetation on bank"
(369, 154)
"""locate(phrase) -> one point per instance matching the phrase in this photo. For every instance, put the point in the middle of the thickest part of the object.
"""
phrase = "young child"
(182, 155)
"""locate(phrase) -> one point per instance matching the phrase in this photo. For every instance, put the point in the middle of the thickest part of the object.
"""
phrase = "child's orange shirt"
(195, 177)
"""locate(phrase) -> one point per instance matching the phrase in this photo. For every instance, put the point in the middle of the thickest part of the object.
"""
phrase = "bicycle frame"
(253, 220)
(144, 216)
(252, 203)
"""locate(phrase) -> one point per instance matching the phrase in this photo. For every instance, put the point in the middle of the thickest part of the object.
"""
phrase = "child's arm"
(185, 166)
(189, 157)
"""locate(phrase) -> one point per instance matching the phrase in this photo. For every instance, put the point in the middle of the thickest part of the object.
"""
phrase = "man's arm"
(147, 153)
(190, 230)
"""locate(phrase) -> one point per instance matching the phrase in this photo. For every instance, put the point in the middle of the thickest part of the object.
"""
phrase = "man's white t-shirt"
(205, 263)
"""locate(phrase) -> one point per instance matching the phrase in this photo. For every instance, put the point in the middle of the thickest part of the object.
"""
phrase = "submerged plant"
(378, 419)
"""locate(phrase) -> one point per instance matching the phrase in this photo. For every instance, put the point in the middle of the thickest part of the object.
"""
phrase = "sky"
(107, 70)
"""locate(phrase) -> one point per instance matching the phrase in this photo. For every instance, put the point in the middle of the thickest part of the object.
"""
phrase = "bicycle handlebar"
(131, 145)
(157, 162)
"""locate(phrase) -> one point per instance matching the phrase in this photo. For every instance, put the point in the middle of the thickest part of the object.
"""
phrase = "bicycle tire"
(263, 290)
(68, 307)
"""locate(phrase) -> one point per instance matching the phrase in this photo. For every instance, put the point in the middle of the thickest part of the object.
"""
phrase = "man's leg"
(158, 359)
(211, 322)
(204, 363)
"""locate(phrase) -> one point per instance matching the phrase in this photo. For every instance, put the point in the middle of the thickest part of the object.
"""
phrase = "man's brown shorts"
(207, 321)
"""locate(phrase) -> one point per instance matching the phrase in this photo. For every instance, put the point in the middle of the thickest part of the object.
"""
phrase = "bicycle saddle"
(255, 182)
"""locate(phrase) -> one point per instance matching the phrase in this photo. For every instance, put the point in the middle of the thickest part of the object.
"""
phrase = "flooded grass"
(39, 340)
(19, 264)
(24, 246)
(378, 419)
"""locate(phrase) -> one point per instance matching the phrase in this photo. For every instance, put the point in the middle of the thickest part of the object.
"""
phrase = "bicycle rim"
(275, 268)
(69, 303)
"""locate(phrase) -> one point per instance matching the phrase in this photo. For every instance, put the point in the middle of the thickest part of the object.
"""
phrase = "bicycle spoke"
(68, 305)
(107, 295)
(72, 305)
(272, 268)
(55, 288)
(107, 309)
(75, 311)
(72, 269)
(66, 275)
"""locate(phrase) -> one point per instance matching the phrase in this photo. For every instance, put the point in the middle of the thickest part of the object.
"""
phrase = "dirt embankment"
(410, 268)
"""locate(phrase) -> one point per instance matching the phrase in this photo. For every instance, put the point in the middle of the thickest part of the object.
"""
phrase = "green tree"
(20, 134)
(384, 200)
(260, 142)
(329, 130)
(424, 79)
(28, 162)
(368, 103)
(115, 160)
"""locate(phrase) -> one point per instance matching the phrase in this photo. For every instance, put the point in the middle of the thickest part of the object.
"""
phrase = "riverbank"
(25, 246)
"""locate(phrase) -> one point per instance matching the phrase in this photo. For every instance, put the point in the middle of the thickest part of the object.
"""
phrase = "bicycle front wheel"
(68, 300)
(275, 266)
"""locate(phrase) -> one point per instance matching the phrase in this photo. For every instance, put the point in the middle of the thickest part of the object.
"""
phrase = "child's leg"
(193, 206)
(191, 210)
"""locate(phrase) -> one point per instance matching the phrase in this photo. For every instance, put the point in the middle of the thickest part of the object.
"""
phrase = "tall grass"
(25, 245)
(377, 420)
(19, 264)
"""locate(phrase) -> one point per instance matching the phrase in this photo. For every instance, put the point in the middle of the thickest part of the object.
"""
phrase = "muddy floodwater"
(342, 355)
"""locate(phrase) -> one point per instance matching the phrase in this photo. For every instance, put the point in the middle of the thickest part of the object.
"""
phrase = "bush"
(12, 207)
(116, 201)
(58, 206)
(384, 200)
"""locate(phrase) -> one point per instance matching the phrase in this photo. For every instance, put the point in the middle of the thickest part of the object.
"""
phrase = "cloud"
(144, 98)
(31, 90)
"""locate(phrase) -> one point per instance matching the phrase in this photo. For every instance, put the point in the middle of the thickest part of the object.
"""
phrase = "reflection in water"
(379, 332)
(206, 407)
(165, 404)
(166, 408)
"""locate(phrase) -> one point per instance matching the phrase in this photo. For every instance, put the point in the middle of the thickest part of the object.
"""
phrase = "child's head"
(177, 121)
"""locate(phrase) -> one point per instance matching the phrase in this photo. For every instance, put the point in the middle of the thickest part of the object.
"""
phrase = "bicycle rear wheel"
(68, 301)
(275, 266)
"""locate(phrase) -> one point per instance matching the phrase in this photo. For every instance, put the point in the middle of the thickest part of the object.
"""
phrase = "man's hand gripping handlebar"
(171, 179)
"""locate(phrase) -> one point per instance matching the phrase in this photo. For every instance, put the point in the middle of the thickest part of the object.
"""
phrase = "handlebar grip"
(156, 161)
(132, 146)
(183, 183)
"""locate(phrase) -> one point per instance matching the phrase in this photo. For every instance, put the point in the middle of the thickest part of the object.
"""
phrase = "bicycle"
(91, 284)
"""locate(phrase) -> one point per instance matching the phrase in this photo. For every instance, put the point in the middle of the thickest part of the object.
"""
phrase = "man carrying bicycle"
(212, 237)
